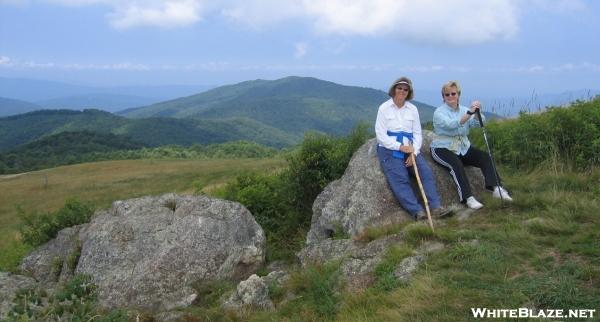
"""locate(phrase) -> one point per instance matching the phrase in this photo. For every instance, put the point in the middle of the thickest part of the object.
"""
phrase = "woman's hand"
(407, 149)
(475, 105)
(409, 161)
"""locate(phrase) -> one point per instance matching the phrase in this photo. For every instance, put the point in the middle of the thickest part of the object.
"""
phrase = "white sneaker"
(498, 191)
(473, 203)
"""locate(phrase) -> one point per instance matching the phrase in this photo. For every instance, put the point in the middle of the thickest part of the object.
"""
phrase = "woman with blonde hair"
(452, 149)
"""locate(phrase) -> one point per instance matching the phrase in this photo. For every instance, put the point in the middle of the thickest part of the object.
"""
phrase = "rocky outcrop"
(359, 260)
(362, 197)
(148, 252)
(10, 285)
(54, 261)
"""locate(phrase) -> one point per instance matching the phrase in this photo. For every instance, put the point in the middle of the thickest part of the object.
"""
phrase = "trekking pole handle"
(479, 116)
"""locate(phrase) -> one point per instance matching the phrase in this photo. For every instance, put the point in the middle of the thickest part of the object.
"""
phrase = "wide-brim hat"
(401, 80)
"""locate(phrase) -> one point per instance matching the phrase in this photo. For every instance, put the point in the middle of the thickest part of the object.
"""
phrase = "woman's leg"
(397, 177)
(452, 163)
(477, 158)
(428, 182)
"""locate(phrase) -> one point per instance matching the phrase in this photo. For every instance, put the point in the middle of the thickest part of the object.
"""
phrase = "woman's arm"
(381, 132)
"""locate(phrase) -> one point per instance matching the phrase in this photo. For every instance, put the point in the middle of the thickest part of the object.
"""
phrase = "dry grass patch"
(101, 183)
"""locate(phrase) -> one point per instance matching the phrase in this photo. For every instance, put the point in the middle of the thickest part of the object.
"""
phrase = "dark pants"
(397, 175)
(455, 164)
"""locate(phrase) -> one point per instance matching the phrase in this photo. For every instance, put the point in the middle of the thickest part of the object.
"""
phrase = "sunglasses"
(406, 89)
(450, 94)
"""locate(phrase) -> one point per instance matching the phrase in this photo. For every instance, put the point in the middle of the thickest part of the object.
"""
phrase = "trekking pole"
(425, 202)
(491, 156)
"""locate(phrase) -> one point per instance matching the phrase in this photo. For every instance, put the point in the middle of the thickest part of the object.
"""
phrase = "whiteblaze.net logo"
(527, 313)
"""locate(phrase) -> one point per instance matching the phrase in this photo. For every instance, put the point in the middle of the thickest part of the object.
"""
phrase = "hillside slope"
(9, 106)
(292, 104)
(24, 128)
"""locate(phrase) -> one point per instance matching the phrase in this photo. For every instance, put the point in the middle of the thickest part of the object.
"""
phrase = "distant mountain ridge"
(292, 104)
(9, 106)
(274, 113)
(24, 128)
(102, 101)
(59, 95)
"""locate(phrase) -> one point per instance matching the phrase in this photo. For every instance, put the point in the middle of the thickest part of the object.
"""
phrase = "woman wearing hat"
(452, 149)
(398, 130)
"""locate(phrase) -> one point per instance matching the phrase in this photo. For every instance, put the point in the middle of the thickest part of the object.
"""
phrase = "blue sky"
(494, 47)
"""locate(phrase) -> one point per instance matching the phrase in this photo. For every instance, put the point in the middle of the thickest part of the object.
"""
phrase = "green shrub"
(282, 202)
(74, 300)
(568, 136)
(319, 160)
(38, 228)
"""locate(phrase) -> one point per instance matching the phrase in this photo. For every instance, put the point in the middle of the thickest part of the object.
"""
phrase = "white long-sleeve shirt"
(395, 119)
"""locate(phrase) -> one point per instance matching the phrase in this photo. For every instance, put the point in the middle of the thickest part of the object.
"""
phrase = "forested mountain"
(63, 148)
(291, 104)
(273, 113)
(24, 128)
(103, 101)
(9, 106)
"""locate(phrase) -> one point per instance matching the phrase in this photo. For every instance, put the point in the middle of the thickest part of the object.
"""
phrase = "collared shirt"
(449, 133)
(398, 119)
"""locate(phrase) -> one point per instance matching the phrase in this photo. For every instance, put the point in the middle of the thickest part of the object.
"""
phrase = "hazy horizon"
(493, 48)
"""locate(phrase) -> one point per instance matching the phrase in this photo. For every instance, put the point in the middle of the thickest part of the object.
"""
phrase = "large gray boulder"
(362, 197)
(150, 252)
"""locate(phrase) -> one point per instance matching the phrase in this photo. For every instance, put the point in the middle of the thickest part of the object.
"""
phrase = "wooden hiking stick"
(425, 202)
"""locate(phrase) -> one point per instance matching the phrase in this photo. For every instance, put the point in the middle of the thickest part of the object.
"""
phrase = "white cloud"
(526, 69)
(353, 17)
(585, 66)
(433, 68)
(115, 67)
(4, 61)
(167, 14)
(300, 49)
(136, 13)
(259, 14)
(221, 66)
(455, 22)
(428, 21)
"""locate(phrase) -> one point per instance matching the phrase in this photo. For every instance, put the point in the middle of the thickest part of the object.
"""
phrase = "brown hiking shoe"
(421, 215)
(441, 212)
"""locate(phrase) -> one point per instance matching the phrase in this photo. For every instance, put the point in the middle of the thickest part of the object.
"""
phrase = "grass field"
(104, 182)
(542, 251)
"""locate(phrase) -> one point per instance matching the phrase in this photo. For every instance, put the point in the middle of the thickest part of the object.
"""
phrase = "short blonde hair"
(449, 84)
(405, 81)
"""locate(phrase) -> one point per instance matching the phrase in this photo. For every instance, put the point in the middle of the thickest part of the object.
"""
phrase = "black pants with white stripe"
(455, 164)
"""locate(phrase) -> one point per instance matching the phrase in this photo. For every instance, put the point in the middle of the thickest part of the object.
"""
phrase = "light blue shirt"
(448, 132)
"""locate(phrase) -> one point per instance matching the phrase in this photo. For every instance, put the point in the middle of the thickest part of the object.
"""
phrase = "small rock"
(406, 268)
(252, 292)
